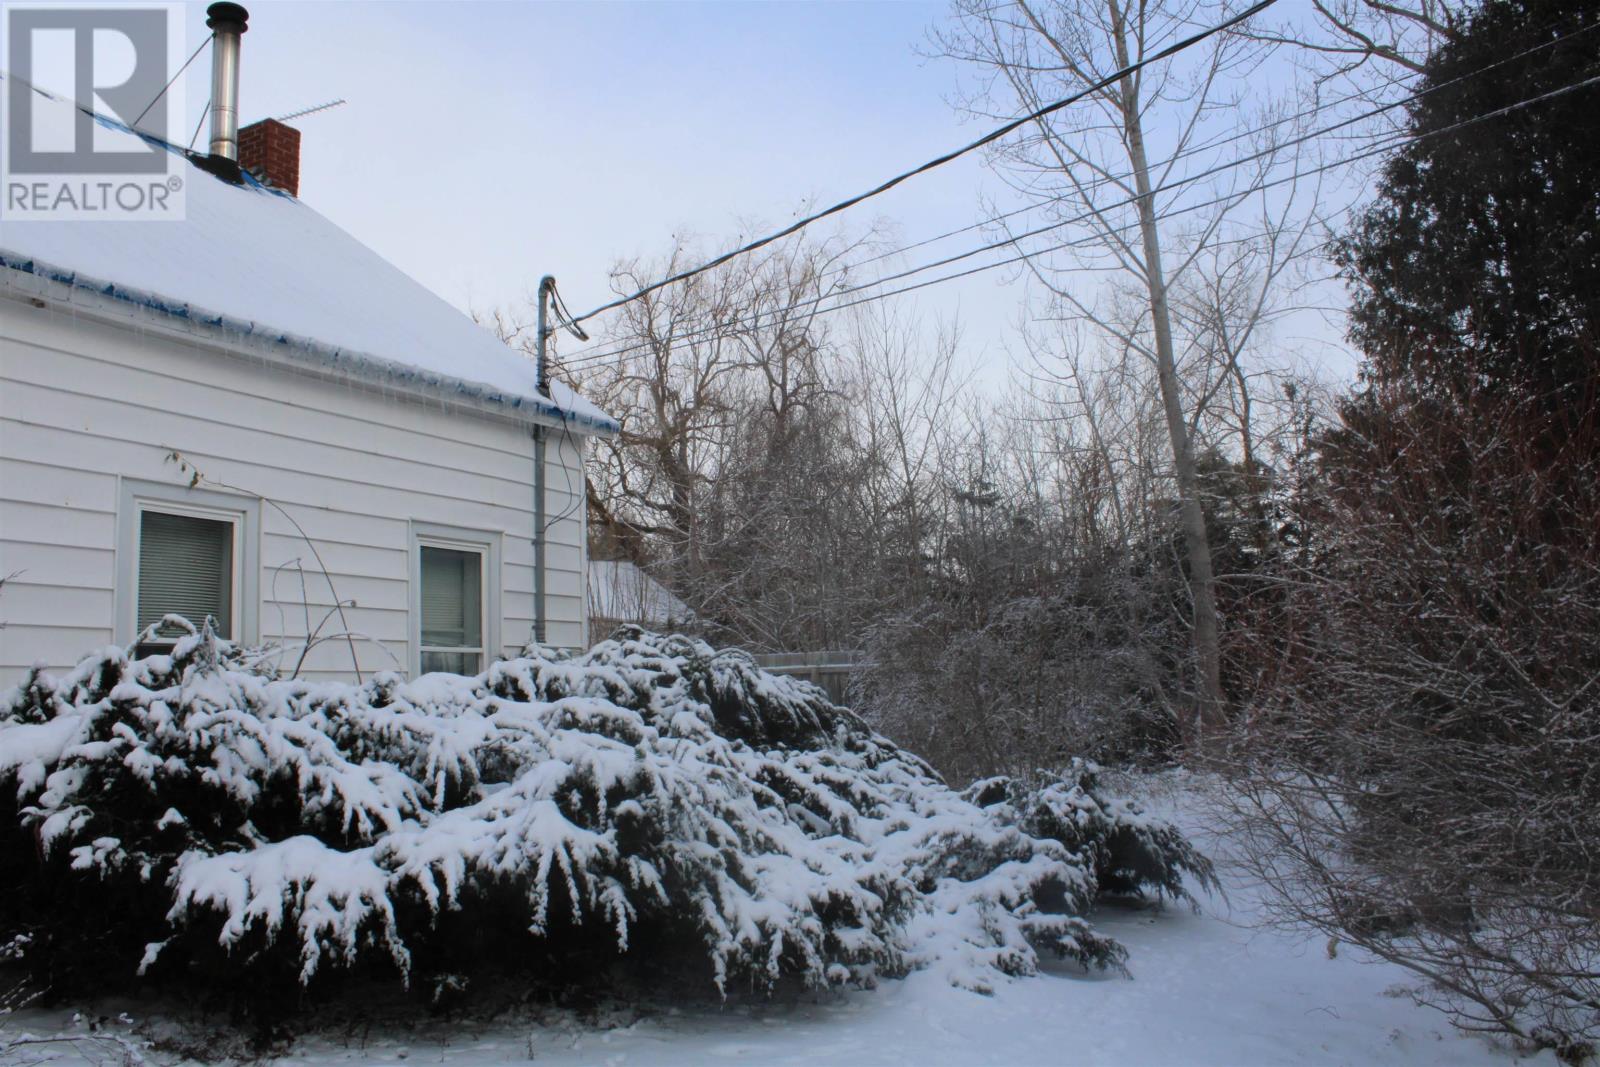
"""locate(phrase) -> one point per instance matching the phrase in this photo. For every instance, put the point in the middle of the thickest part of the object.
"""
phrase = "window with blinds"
(452, 610)
(186, 567)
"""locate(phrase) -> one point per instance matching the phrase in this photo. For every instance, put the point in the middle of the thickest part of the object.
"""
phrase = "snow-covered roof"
(259, 263)
(620, 591)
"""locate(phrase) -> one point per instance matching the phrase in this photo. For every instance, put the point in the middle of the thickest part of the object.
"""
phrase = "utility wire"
(1362, 94)
(1193, 150)
(592, 354)
(575, 499)
(1374, 152)
(1022, 256)
(1218, 142)
(1013, 239)
(1079, 242)
(567, 321)
(157, 99)
(988, 138)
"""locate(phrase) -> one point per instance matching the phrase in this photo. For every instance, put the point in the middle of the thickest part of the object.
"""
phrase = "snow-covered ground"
(1205, 989)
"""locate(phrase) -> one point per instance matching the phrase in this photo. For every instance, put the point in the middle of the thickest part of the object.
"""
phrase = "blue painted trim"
(356, 362)
(359, 363)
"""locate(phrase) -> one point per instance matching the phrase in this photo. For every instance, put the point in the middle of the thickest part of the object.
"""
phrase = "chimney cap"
(227, 16)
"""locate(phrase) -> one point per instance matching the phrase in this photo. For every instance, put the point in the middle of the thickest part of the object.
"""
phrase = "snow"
(619, 590)
(1204, 989)
(30, 747)
(652, 783)
(790, 832)
(333, 895)
(259, 263)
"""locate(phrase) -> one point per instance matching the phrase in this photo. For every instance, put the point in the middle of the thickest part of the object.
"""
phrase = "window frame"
(243, 513)
(486, 543)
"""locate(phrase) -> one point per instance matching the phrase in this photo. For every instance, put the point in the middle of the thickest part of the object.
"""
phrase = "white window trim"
(138, 497)
(461, 539)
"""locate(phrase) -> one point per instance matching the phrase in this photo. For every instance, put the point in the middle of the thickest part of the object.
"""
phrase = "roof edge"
(362, 364)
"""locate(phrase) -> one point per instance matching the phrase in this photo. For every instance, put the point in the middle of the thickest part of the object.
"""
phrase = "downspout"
(542, 340)
(538, 535)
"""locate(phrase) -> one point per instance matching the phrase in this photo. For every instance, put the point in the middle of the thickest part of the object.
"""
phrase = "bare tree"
(740, 463)
(1371, 38)
(1129, 173)
(669, 392)
(911, 421)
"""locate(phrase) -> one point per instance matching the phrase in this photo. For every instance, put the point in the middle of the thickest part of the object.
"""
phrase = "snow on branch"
(181, 816)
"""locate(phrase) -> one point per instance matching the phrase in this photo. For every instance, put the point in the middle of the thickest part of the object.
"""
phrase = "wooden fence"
(831, 669)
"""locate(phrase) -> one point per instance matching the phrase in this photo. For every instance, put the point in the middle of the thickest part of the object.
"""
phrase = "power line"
(1022, 256)
(1109, 179)
(988, 138)
(566, 320)
(1218, 142)
(1352, 159)
(587, 359)
(1186, 153)
(575, 498)
(591, 355)
(1012, 239)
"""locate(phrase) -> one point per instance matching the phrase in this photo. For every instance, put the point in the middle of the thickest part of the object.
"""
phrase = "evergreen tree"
(1425, 770)
(1479, 263)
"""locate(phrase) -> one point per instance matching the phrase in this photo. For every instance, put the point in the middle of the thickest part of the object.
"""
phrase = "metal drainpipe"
(541, 341)
(538, 535)
(227, 23)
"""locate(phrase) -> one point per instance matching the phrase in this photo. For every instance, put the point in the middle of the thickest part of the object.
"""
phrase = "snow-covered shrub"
(1130, 851)
(184, 818)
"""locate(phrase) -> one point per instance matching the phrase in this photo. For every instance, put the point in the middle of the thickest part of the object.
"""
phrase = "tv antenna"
(303, 112)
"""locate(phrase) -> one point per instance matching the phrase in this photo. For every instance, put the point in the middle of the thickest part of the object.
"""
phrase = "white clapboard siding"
(87, 406)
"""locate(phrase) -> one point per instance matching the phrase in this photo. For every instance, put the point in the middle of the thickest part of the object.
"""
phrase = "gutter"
(361, 364)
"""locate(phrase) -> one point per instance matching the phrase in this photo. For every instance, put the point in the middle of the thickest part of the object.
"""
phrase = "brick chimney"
(271, 151)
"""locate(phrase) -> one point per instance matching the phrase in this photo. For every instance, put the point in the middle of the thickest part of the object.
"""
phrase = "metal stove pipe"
(228, 23)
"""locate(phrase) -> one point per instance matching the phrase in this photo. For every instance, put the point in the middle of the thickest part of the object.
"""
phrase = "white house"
(619, 592)
(250, 415)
